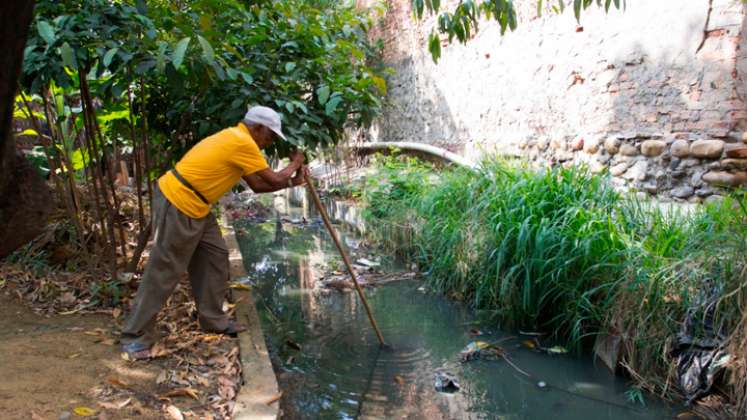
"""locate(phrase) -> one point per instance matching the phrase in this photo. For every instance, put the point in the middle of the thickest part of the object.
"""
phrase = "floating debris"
(481, 349)
(446, 382)
(555, 350)
(367, 263)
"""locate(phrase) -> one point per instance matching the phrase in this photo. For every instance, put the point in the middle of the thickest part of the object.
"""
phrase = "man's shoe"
(136, 351)
(233, 329)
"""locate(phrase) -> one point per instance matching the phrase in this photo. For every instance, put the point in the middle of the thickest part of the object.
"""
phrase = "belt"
(188, 185)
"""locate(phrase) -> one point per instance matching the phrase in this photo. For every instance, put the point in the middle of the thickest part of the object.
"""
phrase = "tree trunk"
(24, 206)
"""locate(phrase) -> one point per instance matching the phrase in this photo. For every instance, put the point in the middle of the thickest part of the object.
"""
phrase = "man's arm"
(258, 184)
(275, 181)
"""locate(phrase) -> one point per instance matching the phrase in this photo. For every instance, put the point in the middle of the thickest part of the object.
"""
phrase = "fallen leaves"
(118, 405)
(274, 398)
(84, 411)
(181, 392)
(174, 413)
(115, 381)
(191, 366)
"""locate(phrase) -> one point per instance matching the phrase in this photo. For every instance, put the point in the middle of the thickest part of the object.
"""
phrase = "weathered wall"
(634, 92)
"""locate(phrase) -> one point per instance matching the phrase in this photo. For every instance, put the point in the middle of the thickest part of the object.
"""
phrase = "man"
(187, 236)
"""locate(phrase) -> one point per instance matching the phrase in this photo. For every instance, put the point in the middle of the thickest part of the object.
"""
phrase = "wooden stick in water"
(348, 264)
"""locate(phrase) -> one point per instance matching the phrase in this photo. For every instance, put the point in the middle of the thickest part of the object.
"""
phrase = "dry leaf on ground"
(174, 413)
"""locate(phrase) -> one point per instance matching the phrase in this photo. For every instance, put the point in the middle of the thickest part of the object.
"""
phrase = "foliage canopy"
(199, 63)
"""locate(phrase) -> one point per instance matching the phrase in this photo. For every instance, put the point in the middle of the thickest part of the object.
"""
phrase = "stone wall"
(655, 94)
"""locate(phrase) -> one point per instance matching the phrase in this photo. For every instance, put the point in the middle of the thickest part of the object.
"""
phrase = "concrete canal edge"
(258, 397)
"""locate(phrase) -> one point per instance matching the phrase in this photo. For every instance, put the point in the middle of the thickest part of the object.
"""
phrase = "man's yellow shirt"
(212, 167)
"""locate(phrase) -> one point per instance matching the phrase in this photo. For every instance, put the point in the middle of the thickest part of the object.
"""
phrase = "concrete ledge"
(260, 385)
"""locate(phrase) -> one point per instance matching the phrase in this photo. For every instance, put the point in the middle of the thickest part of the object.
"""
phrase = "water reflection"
(342, 372)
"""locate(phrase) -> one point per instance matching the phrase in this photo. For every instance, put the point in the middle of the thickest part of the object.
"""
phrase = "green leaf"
(207, 50)
(28, 132)
(434, 46)
(161, 57)
(323, 94)
(178, 56)
(206, 23)
(289, 67)
(68, 56)
(46, 31)
(247, 77)
(109, 56)
(289, 106)
(331, 106)
(380, 84)
(577, 9)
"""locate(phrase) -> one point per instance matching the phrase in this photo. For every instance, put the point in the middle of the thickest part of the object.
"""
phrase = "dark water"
(341, 371)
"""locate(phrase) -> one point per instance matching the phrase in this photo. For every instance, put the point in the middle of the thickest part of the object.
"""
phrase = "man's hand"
(298, 157)
(300, 177)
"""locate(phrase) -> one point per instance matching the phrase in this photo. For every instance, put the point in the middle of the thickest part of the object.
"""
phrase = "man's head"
(263, 124)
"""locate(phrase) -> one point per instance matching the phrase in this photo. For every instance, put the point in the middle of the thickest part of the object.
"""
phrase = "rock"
(705, 192)
(707, 149)
(653, 148)
(682, 192)
(651, 187)
(713, 199)
(523, 144)
(713, 166)
(577, 143)
(734, 163)
(612, 145)
(65, 415)
(680, 149)
(618, 169)
(556, 144)
(637, 172)
(736, 151)
(725, 178)
(542, 143)
(628, 150)
(696, 180)
(591, 146)
(744, 137)
(603, 158)
(689, 163)
(564, 156)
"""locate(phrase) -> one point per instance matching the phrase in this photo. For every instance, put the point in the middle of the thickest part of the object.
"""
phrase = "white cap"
(264, 116)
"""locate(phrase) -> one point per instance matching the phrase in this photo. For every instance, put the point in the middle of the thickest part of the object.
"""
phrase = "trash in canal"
(481, 349)
(446, 382)
(292, 344)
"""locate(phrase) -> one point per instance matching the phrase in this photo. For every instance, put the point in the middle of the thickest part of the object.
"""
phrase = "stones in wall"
(646, 95)
(684, 170)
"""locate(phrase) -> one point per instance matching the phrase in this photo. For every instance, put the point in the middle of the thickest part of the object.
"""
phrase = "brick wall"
(654, 94)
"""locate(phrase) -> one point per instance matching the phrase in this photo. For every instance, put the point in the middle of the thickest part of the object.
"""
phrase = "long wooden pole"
(345, 258)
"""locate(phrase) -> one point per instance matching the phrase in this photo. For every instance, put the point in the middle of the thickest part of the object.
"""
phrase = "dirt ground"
(70, 366)
(53, 365)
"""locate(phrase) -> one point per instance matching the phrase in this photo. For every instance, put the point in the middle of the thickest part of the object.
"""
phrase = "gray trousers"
(182, 244)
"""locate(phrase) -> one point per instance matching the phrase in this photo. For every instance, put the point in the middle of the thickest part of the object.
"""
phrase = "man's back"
(212, 167)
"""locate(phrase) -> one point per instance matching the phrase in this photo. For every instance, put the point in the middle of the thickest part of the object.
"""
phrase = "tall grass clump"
(559, 251)
(534, 248)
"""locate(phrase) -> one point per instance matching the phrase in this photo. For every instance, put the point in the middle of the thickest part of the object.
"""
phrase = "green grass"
(560, 251)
